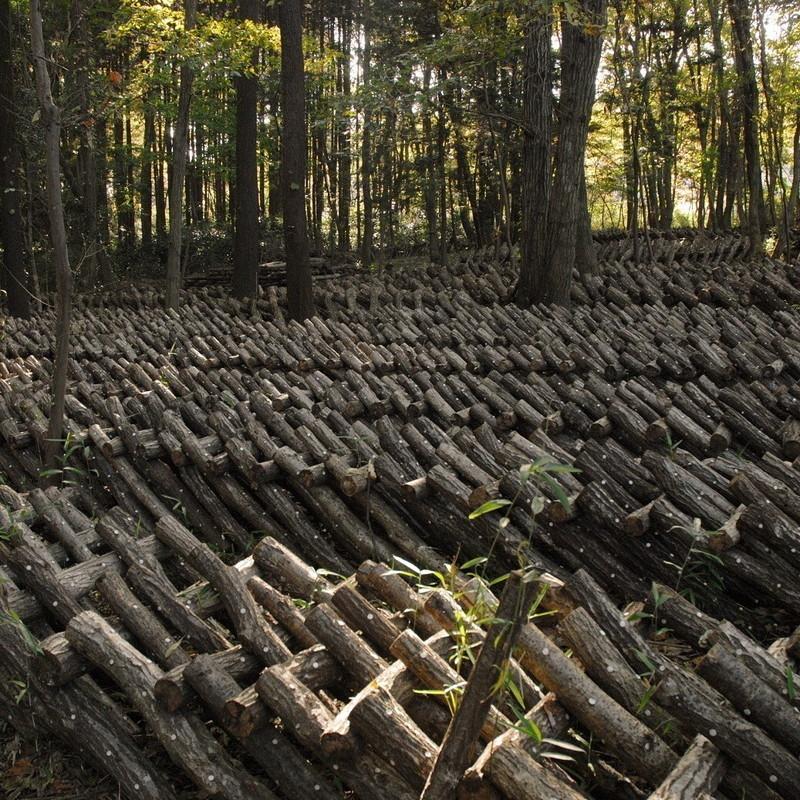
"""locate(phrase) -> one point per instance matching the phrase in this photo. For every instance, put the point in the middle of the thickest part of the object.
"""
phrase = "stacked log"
(362, 674)
(214, 453)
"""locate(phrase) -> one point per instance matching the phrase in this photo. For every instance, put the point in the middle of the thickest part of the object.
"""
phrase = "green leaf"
(558, 491)
(516, 692)
(528, 727)
(488, 507)
(402, 561)
(645, 659)
(173, 647)
(560, 469)
(646, 698)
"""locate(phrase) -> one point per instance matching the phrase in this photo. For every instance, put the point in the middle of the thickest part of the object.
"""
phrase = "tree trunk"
(344, 157)
(147, 176)
(537, 117)
(245, 242)
(466, 181)
(51, 119)
(14, 280)
(130, 214)
(118, 177)
(441, 156)
(366, 150)
(790, 207)
(748, 93)
(161, 190)
(293, 161)
(429, 173)
(179, 149)
(585, 253)
(95, 251)
(580, 58)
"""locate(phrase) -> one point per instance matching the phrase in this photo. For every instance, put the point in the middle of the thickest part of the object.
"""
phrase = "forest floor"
(42, 770)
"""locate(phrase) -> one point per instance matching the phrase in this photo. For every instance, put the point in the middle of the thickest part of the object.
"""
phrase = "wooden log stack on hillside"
(225, 471)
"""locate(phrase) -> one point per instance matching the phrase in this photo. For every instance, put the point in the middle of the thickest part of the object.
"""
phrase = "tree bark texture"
(293, 172)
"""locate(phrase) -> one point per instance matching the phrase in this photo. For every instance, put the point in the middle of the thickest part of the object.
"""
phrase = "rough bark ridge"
(245, 243)
(51, 118)
(552, 223)
(293, 173)
(179, 149)
(12, 275)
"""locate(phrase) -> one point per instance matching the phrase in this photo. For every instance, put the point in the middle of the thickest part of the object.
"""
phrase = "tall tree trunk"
(275, 200)
(103, 234)
(441, 160)
(161, 187)
(146, 182)
(179, 149)
(386, 202)
(367, 243)
(585, 254)
(318, 161)
(245, 242)
(293, 161)
(791, 205)
(466, 180)
(262, 160)
(344, 156)
(119, 178)
(14, 279)
(580, 58)
(29, 231)
(537, 113)
(51, 119)
(95, 251)
(748, 93)
(130, 213)
(429, 174)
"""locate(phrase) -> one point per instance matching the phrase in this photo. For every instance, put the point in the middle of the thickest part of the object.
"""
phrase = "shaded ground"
(42, 770)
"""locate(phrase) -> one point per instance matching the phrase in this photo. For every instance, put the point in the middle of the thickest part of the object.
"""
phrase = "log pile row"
(272, 273)
(665, 247)
(270, 679)
(684, 249)
(446, 400)
(662, 419)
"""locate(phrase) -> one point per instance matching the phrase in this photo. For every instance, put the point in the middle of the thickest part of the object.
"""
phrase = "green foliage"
(12, 619)
(541, 473)
(70, 472)
(700, 573)
(478, 613)
(458, 66)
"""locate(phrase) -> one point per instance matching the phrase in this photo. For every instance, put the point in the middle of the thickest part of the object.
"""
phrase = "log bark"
(696, 775)
(283, 763)
(182, 735)
(702, 708)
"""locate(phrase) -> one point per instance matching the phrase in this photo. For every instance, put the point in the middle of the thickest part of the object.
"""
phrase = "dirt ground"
(41, 770)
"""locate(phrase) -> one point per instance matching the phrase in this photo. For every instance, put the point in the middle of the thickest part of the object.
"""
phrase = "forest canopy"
(415, 124)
